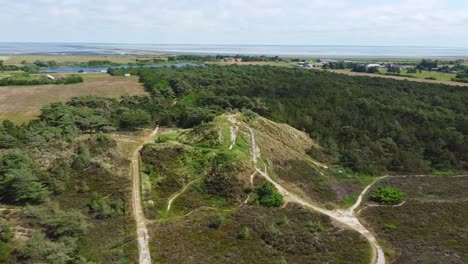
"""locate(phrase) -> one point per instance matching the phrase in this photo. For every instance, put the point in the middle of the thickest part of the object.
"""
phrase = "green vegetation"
(19, 183)
(76, 182)
(388, 195)
(26, 79)
(430, 227)
(251, 234)
(461, 77)
(268, 196)
(367, 124)
(6, 236)
(180, 157)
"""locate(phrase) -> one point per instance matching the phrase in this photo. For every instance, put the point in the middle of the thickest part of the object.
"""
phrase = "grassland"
(62, 59)
(430, 227)
(22, 103)
(284, 235)
(270, 63)
(418, 77)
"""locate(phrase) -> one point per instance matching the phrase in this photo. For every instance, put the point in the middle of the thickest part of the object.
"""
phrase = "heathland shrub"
(388, 195)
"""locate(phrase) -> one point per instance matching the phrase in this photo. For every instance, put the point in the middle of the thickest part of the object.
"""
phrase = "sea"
(313, 51)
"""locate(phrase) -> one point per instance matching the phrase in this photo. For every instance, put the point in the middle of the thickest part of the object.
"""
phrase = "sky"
(269, 22)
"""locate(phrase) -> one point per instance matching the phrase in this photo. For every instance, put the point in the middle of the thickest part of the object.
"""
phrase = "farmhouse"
(49, 77)
(326, 61)
(305, 64)
(371, 65)
(127, 75)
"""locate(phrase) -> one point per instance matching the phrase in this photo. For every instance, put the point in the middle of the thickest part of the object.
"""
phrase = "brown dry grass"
(17, 59)
(23, 103)
(397, 77)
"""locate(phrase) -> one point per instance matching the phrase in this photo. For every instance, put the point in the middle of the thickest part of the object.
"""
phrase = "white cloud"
(404, 22)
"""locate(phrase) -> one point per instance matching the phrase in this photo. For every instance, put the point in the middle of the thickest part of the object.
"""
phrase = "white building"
(370, 65)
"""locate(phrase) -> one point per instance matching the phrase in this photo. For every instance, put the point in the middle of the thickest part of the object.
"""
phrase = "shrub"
(103, 208)
(245, 235)
(315, 226)
(388, 195)
(268, 196)
(5, 241)
(284, 221)
(82, 158)
(216, 220)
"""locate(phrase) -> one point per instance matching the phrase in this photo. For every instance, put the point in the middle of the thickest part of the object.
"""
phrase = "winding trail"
(142, 231)
(169, 203)
(345, 216)
(234, 129)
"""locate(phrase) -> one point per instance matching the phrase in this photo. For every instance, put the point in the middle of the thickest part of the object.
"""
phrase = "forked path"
(142, 231)
(344, 216)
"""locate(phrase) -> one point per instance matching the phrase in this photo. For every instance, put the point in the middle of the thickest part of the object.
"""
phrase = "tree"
(130, 119)
(388, 195)
(372, 70)
(359, 68)
(18, 183)
(30, 68)
(58, 223)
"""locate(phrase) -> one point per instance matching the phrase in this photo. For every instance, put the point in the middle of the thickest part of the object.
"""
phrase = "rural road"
(142, 231)
(344, 216)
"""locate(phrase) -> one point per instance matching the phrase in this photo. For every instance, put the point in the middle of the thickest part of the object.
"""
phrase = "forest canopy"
(368, 124)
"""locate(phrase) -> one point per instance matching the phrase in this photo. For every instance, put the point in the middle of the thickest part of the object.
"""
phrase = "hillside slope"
(202, 187)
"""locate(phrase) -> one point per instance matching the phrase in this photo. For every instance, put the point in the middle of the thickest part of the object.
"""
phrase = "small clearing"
(23, 103)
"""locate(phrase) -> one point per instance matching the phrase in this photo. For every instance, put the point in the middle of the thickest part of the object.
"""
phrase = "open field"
(22, 103)
(430, 227)
(417, 79)
(17, 59)
(270, 63)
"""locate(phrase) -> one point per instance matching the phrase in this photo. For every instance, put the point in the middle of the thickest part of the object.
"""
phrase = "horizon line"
(217, 44)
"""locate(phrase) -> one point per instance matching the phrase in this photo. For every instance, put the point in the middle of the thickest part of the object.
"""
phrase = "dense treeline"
(461, 77)
(367, 124)
(26, 79)
(200, 58)
(62, 121)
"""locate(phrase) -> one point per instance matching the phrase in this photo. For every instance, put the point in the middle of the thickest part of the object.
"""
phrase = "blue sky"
(291, 22)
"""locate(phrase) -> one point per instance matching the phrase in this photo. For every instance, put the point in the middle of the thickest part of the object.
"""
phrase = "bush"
(268, 196)
(388, 195)
(315, 226)
(245, 235)
(5, 241)
(58, 223)
(216, 220)
(82, 158)
(103, 208)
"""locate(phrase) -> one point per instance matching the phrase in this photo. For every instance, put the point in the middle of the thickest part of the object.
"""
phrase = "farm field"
(22, 103)
(419, 77)
(17, 59)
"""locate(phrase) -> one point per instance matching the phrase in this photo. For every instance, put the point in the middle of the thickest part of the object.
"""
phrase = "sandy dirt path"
(343, 216)
(142, 231)
(169, 203)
